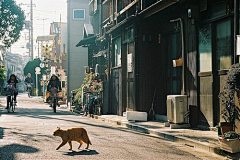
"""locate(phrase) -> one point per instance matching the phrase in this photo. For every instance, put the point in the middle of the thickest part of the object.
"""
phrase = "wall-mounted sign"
(42, 65)
(238, 45)
(129, 62)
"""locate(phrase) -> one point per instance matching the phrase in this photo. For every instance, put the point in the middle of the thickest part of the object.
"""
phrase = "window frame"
(84, 12)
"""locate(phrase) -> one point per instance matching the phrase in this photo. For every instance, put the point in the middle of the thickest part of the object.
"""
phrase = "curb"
(167, 136)
(211, 148)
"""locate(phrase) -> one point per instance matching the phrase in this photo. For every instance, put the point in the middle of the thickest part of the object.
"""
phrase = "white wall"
(77, 56)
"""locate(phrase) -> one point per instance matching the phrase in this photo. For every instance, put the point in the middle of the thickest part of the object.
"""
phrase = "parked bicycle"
(88, 101)
(54, 98)
(97, 105)
(11, 105)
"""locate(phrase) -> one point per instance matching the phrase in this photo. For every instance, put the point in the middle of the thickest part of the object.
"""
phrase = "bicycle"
(97, 105)
(87, 107)
(29, 89)
(54, 98)
(11, 105)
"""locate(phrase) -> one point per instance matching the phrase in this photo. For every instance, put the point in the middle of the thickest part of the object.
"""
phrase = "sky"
(44, 13)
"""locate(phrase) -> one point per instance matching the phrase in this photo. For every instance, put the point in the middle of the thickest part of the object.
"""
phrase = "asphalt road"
(28, 134)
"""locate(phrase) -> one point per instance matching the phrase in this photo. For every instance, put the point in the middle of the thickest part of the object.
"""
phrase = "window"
(223, 45)
(79, 14)
(205, 49)
(117, 52)
(128, 35)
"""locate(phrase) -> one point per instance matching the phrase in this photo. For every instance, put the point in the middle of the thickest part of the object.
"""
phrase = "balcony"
(93, 7)
(107, 10)
(123, 6)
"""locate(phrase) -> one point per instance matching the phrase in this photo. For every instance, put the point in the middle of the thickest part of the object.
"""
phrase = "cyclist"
(13, 80)
(29, 79)
(54, 82)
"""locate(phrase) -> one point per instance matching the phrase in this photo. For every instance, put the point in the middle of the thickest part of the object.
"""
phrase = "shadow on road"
(47, 114)
(83, 152)
(8, 151)
(1, 133)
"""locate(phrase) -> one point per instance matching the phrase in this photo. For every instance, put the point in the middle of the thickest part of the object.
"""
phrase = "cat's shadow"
(81, 152)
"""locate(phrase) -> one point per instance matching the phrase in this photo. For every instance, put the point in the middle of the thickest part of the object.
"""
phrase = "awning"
(88, 36)
(87, 41)
(87, 30)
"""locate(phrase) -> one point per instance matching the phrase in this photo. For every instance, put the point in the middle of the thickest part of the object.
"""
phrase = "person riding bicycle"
(13, 80)
(30, 80)
(54, 82)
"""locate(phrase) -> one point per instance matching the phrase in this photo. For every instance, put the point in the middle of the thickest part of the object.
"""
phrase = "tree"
(2, 77)
(11, 22)
(30, 68)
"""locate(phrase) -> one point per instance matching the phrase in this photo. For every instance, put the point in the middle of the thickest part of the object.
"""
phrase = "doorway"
(215, 58)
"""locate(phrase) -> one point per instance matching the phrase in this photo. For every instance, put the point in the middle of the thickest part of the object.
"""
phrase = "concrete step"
(136, 116)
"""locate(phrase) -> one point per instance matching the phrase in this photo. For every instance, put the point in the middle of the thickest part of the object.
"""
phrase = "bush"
(230, 111)
(85, 86)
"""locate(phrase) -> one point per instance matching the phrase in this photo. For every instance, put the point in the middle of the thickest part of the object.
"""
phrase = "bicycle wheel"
(54, 105)
(85, 112)
(99, 109)
(13, 105)
(29, 92)
(9, 103)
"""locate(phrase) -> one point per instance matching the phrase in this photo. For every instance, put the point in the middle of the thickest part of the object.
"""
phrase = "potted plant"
(230, 111)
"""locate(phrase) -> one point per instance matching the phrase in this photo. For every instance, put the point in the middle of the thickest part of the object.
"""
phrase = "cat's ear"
(58, 128)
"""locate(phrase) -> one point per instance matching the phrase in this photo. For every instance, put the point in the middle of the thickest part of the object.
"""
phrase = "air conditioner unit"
(177, 108)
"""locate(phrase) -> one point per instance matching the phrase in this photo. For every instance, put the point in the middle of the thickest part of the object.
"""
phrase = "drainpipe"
(183, 59)
(236, 29)
(109, 72)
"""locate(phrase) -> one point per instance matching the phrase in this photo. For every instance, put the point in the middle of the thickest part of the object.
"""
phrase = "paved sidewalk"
(206, 141)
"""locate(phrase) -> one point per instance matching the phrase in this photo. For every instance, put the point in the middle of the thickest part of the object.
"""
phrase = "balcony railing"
(125, 4)
(93, 7)
(107, 10)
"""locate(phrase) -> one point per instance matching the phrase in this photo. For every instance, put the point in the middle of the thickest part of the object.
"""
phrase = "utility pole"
(31, 30)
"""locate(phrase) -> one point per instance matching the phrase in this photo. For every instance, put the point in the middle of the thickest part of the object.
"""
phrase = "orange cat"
(73, 134)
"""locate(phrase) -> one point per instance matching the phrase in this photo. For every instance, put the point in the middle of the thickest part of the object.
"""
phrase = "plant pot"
(230, 145)
(226, 127)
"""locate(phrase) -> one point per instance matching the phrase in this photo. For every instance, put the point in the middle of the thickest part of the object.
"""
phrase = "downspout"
(109, 72)
(136, 60)
(100, 20)
(183, 59)
(236, 30)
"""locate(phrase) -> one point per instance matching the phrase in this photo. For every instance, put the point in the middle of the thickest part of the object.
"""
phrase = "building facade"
(77, 56)
(142, 41)
(15, 65)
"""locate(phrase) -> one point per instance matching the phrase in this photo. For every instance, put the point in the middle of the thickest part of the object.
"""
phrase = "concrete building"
(14, 64)
(77, 13)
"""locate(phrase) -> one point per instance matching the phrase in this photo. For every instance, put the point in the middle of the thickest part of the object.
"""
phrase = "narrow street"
(28, 134)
